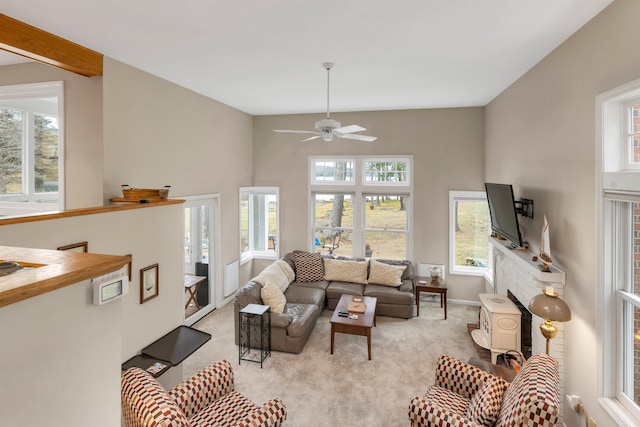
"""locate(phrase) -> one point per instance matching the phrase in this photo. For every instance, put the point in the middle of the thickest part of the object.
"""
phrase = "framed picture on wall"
(75, 247)
(148, 283)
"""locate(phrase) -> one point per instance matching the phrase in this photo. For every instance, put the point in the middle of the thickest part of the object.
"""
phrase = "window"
(258, 223)
(618, 251)
(360, 206)
(31, 147)
(468, 232)
(632, 134)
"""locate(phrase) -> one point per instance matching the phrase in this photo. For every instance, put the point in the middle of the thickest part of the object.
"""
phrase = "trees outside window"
(468, 232)
(366, 201)
(31, 148)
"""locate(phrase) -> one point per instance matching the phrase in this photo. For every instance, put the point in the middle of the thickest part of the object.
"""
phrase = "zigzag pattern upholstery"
(531, 400)
(206, 399)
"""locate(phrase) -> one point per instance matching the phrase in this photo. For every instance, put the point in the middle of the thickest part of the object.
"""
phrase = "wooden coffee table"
(360, 326)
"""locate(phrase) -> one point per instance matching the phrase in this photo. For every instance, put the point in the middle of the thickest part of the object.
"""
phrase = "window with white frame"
(258, 223)
(468, 232)
(31, 147)
(360, 205)
(618, 246)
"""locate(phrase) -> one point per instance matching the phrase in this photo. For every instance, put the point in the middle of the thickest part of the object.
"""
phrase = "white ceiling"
(265, 56)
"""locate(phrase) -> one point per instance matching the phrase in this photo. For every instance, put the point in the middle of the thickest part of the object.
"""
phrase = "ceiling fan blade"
(349, 129)
(293, 131)
(359, 137)
(309, 139)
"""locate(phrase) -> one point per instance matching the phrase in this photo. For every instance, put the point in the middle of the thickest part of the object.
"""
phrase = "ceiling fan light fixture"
(327, 127)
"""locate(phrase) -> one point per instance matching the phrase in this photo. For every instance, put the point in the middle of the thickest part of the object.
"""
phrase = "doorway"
(201, 233)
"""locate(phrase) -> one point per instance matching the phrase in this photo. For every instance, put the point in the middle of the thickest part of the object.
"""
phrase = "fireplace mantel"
(523, 258)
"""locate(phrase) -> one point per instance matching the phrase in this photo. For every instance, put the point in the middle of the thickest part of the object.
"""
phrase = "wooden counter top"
(57, 269)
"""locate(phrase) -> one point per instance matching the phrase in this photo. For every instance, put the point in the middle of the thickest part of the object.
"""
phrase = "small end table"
(424, 284)
(245, 324)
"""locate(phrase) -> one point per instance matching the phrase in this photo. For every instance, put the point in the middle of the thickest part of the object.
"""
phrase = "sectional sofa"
(301, 284)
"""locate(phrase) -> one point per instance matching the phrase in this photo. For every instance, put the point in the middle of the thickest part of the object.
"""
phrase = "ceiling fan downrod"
(328, 66)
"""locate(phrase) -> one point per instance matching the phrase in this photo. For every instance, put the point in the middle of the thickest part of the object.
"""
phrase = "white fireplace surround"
(515, 271)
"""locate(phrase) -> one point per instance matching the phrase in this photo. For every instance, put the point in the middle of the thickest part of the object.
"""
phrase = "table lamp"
(549, 306)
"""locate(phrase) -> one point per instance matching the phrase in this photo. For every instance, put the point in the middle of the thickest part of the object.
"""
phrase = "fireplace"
(526, 319)
(517, 276)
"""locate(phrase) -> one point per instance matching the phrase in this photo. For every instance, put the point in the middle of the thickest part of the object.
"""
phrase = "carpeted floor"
(346, 389)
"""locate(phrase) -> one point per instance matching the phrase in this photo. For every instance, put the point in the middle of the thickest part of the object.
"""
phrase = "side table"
(424, 284)
(250, 318)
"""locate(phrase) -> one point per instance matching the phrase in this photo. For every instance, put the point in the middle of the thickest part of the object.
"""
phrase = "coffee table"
(360, 326)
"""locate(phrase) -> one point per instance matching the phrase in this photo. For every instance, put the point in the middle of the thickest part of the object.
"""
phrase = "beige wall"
(60, 354)
(157, 133)
(83, 128)
(540, 137)
(448, 150)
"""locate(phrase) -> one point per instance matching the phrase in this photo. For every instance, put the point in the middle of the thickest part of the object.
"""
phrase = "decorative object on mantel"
(545, 247)
(550, 307)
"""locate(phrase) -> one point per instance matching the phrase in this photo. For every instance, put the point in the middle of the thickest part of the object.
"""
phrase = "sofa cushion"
(300, 294)
(484, 405)
(389, 295)
(308, 266)
(345, 271)
(336, 289)
(273, 297)
(381, 273)
(303, 317)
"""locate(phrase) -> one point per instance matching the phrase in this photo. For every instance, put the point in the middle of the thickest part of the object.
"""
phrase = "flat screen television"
(502, 209)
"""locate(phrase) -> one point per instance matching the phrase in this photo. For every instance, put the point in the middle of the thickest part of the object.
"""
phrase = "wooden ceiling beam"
(34, 43)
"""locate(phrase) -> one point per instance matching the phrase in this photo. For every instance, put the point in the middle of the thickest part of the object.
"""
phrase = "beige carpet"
(345, 389)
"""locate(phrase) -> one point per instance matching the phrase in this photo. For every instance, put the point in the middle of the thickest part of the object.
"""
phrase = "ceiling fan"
(327, 127)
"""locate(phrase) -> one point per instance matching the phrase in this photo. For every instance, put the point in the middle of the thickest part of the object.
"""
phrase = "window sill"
(617, 412)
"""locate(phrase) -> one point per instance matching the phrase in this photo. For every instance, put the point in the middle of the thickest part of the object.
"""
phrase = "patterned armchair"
(207, 399)
(464, 395)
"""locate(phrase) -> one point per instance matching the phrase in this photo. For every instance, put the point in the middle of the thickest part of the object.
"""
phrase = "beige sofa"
(309, 293)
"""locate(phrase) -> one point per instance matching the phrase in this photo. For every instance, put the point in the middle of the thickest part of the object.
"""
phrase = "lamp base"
(549, 331)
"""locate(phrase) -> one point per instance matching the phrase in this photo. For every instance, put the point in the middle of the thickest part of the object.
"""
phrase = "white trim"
(613, 177)
(455, 195)
(215, 246)
(37, 90)
(357, 189)
(244, 257)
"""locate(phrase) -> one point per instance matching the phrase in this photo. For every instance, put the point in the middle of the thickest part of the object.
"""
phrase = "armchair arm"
(423, 412)
(203, 388)
(273, 413)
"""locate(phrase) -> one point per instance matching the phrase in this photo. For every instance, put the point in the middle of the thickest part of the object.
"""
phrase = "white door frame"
(215, 273)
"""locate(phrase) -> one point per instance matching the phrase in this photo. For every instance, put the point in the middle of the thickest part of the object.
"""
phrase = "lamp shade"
(550, 306)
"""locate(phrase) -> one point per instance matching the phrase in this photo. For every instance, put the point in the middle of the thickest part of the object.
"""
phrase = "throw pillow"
(385, 274)
(484, 406)
(273, 297)
(308, 266)
(345, 271)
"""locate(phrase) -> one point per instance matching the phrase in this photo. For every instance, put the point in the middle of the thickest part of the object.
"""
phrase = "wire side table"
(254, 319)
